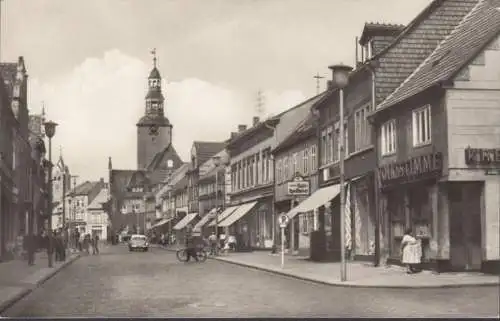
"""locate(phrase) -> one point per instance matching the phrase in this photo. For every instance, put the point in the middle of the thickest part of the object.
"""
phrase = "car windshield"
(138, 238)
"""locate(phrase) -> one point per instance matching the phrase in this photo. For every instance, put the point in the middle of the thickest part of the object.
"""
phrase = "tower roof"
(154, 74)
(149, 120)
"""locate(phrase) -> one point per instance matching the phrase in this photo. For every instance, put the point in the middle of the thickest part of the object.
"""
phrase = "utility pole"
(318, 77)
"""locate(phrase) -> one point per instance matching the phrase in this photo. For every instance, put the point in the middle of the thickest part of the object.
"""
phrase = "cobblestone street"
(118, 283)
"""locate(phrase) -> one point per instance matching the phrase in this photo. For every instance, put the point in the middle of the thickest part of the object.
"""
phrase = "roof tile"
(463, 44)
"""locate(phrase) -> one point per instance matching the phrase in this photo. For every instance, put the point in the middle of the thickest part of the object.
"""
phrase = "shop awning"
(204, 220)
(162, 222)
(236, 215)
(228, 211)
(185, 221)
(317, 199)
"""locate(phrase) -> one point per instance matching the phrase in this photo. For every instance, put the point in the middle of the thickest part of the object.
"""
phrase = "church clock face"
(153, 130)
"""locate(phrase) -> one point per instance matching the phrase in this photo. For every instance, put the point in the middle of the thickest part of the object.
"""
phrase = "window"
(422, 126)
(329, 145)
(170, 163)
(295, 164)
(388, 137)
(323, 147)
(306, 222)
(305, 161)
(285, 168)
(313, 158)
(361, 128)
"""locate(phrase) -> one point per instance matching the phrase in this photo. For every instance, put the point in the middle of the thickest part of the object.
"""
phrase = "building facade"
(297, 156)
(439, 150)
(83, 201)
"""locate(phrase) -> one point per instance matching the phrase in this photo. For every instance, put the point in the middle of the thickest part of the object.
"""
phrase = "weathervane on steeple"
(153, 52)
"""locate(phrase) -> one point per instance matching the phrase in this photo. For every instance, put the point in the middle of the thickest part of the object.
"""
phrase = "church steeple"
(154, 97)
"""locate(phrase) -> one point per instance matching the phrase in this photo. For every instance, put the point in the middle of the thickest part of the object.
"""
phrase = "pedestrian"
(95, 244)
(86, 243)
(222, 240)
(410, 251)
(190, 247)
(231, 241)
(212, 241)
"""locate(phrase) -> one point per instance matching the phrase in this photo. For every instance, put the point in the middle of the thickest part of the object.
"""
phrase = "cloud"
(99, 102)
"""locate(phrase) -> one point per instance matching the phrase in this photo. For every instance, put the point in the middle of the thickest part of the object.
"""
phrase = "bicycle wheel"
(201, 255)
(181, 255)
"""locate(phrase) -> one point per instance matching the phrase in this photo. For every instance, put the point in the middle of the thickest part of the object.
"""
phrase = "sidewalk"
(359, 274)
(18, 279)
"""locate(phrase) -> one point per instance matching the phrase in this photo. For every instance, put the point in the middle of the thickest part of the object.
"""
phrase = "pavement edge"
(349, 285)
(25, 291)
(354, 285)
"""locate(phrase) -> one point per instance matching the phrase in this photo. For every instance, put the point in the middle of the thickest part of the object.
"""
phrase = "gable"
(138, 179)
(483, 71)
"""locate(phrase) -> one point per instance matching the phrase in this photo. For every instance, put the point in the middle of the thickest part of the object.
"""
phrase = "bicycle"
(201, 255)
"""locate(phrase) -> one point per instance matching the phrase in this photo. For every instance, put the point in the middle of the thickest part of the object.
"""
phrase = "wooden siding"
(404, 132)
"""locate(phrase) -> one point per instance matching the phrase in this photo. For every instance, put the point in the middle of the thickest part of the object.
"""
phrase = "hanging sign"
(298, 186)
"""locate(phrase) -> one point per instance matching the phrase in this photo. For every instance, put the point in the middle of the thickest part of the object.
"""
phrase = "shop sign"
(298, 186)
(414, 169)
(482, 156)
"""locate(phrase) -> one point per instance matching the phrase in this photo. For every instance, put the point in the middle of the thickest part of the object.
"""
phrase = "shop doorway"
(465, 225)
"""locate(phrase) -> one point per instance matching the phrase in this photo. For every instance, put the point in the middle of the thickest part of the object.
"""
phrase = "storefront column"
(315, 219)
(384, 227)
(434, 231)
(491, 220)
(443, 226)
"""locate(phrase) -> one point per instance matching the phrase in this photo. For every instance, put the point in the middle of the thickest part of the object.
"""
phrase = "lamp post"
(340, 80)
(216, 160)
(50, 130)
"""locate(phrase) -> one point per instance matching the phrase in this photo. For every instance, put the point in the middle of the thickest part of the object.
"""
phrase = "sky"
(88, 63)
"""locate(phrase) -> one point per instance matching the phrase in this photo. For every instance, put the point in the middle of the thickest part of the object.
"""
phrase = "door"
(465, 226)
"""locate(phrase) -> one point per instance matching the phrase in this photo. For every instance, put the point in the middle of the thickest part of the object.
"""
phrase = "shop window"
(388, 137)
(422, 126)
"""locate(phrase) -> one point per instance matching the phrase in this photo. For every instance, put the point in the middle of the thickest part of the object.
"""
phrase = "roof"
(119, 180)
(84, 188)
(159, 120)
(205, 150)
(159, 161)
(376, 27)
(304, 130)
(416, 42)
(463, 44)
(180, 185)
(154, 74)
(98, 201)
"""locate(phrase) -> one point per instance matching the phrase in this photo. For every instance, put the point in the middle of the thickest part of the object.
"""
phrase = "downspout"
(376, 188)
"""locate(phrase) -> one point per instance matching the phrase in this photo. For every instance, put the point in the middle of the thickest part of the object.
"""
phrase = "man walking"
(95, 244)
(212, 239)
(190, 246)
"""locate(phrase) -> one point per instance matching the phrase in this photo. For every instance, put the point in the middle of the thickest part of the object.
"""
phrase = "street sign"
(298, 186)
(283, 220)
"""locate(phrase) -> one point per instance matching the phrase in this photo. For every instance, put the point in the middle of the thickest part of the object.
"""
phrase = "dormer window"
(368, 48)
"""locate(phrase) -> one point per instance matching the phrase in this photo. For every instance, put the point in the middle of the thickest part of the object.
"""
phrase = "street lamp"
(340, 80)
(216, 160)
(50, 130)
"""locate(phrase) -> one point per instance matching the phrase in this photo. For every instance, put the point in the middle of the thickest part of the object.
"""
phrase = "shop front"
(363, 217)
(410, 199)
(252, 225)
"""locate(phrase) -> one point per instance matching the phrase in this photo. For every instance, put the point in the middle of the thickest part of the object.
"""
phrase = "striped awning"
(185, 221)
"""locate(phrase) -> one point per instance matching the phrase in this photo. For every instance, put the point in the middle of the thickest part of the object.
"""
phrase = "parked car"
(138, 242)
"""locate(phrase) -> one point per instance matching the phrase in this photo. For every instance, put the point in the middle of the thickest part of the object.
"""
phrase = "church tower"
(154, 131)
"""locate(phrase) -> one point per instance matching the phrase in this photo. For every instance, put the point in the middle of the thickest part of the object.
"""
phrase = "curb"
(25, 291)
(351, 285)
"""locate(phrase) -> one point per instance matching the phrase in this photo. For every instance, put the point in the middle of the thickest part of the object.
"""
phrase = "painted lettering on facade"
(414, 169)
(482, 156)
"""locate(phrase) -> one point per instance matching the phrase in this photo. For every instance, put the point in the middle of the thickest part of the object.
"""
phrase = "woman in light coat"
(410, 251)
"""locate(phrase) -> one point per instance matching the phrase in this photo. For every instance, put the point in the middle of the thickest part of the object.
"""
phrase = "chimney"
(329, 84)
(242, 128)
(256, 120)
(233, 134)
